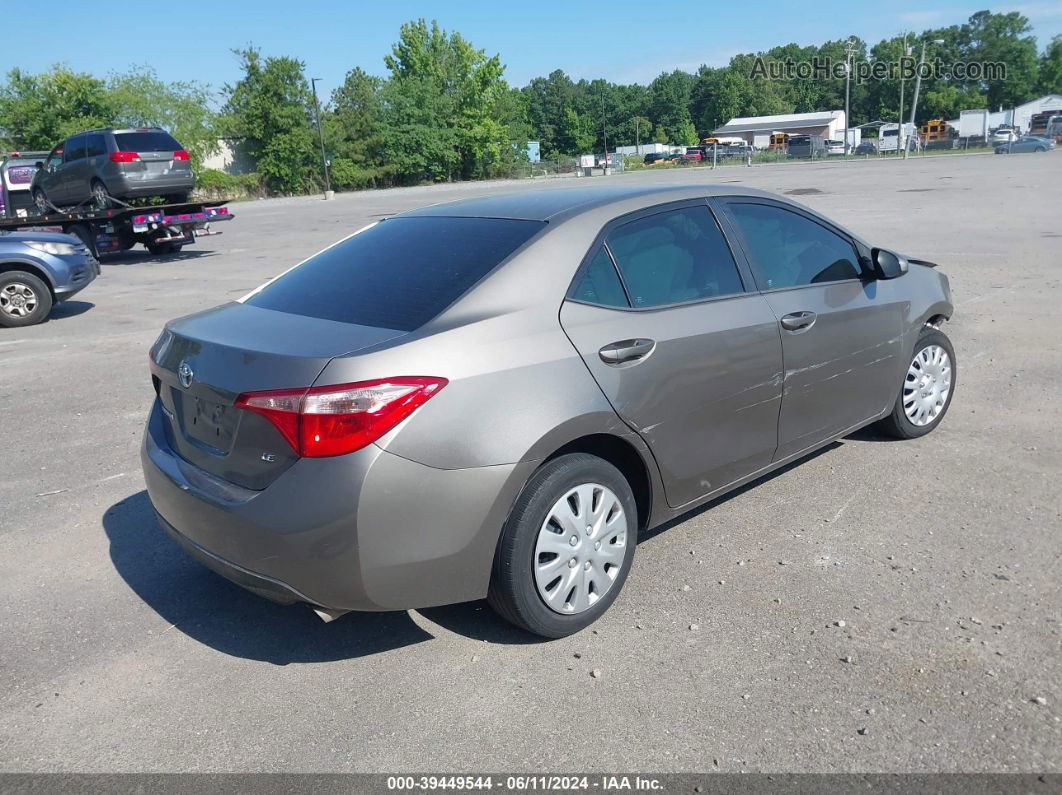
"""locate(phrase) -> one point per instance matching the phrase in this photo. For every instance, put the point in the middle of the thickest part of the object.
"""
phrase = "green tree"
(270, 111)
(138, 98)
(669, 98)
(1049, 74)
(1004, 38)
(354, 131)
(38, 110)
(447, 110)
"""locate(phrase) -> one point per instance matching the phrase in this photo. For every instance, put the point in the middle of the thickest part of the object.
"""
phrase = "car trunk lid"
(203, 362)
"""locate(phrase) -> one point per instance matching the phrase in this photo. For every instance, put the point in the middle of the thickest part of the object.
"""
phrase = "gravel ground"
(881, 606)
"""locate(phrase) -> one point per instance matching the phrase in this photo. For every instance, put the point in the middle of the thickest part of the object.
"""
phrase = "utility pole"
(899, 127)
(638, 134)
(849, 49)
(604, 134)
(320, 135)
(918, 87)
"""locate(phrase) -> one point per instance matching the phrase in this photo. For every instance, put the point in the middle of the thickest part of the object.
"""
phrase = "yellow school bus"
(779, 140)
(934, 130)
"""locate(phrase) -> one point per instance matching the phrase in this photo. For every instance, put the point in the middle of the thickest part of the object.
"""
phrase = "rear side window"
(790, 250)
(675, 256)
(599, 283)
(399, 273)
(146, 142)
(95, 145)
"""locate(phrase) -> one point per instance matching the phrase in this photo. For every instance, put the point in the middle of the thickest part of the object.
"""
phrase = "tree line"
(444, 110)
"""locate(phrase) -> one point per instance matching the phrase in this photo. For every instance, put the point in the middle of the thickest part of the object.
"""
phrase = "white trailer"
(973, 123)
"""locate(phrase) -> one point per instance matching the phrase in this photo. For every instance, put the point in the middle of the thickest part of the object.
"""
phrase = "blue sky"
(621, 40)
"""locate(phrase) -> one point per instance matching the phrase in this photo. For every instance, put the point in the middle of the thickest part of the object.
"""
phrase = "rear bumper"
(365, 531)
(130, 186)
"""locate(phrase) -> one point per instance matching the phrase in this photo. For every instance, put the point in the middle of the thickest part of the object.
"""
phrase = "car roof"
(554, 204)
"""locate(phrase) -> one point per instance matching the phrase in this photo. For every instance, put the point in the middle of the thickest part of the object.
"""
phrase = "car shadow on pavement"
(208, 608)
(142, 257)
(70, 309)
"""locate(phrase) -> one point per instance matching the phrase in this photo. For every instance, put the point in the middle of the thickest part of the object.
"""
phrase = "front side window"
(397, 274)
(791, 250)
(673, 257)
(55, 158)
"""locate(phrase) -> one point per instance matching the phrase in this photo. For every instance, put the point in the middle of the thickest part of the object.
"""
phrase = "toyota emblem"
(185, 375)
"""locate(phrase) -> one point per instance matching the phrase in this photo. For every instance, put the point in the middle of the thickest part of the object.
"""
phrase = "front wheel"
(928, 387)
(567, 547)
(24, 299)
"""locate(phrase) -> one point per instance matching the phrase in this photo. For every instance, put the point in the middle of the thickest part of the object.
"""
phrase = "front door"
(686, 356)
(841, 331)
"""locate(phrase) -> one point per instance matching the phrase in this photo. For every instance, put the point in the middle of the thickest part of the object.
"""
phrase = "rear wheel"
(40, 201)
(927, 390)
(101, 197)
(24, 299)
(162, 248)
(567, 547)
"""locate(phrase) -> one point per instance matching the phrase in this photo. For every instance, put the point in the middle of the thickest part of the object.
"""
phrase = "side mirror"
(888, 264)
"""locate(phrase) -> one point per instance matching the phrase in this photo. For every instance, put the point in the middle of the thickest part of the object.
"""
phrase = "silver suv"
(100, 166)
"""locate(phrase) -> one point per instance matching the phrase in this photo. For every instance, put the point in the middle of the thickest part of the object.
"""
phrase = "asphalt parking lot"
(882, 606)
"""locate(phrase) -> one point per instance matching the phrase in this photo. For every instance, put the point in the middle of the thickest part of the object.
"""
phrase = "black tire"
(898, 424)
(513, 592)
(101, 197)
(24, 299)
(162, 249)
(40, 201)
(1041, 149)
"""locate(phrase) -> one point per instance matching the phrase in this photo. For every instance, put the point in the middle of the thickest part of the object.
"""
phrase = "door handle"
(626, 351)
(796, 321)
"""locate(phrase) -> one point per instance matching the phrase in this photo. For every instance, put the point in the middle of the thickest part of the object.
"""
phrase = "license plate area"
(205, 422)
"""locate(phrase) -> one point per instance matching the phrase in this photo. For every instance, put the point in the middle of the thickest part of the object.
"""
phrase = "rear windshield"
(146, 142)
(799, 139)
(398, 274)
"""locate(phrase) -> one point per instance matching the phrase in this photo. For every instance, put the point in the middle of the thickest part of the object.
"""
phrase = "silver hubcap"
(581, 548)
(17, 299)
(927, 386)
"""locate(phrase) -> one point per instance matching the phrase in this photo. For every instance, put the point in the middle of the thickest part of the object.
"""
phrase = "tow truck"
(162, 229)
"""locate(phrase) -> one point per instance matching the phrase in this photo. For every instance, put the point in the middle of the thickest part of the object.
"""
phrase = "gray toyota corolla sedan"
(494, 397)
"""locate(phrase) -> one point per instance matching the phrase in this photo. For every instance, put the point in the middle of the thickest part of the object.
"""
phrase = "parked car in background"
(101, 166)
(693, 153)
(39, 270)
(1005, 134)
(1027, 143)
(806, 146)
(866, 148)
(834, 147)
(654, 157)
(496, 396)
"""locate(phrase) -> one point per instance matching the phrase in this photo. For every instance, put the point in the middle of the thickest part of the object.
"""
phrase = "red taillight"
(335, 420)
(124, 157)
(180, 154)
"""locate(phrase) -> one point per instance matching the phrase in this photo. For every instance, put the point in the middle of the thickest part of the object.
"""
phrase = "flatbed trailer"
(162, 229)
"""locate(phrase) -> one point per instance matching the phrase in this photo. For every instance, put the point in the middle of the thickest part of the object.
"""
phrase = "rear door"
(841, 332)
(155, 149)
(688, 358)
